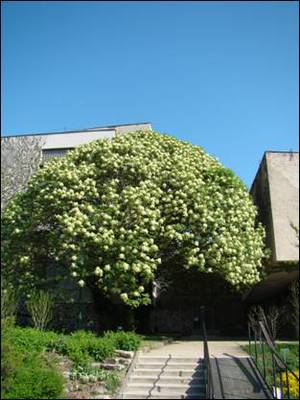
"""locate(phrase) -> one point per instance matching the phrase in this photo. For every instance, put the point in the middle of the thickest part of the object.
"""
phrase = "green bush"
(101, 348)
(31, 339)
(11, 359)
(81, 345)
(24, 373)
(35, 379)
(58, 344)
(82, 335)
(129, 341)
(79, 356)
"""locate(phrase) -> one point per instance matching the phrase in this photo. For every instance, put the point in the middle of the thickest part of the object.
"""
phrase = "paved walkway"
(194, 348)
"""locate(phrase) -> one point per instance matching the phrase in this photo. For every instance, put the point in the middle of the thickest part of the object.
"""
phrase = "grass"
(292, 358)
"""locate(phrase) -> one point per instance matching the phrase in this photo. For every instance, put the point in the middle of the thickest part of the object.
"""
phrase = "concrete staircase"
(166, 377)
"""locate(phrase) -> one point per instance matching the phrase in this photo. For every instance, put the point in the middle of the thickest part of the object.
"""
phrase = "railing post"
(287, 383)
(255, 345)
(274, 376)
(208, 373)
(281, 383)
(263, 353)
(249, 338)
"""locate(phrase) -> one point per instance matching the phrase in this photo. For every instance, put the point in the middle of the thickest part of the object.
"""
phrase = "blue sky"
(222, 75)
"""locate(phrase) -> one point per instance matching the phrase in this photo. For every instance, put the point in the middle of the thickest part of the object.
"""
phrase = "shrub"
(11, 359)
(40, 307)
(101, 348)
(79, 356)
(83, 344)
(35, 379)
(32, 340)
(129, 341)
(24, 373)
(117, 212)
(58, 344)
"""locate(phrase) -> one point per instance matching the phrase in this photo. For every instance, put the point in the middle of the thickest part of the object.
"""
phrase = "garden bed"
(47, 365)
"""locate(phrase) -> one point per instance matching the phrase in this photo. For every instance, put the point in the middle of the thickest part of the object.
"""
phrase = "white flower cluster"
(117, 209)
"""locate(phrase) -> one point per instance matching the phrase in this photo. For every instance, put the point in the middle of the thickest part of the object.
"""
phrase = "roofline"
(281, 151)
(264, 158)
(96, 129)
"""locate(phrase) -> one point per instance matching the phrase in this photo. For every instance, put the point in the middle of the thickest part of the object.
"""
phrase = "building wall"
(52, 145)
(67, 140)
(261, 196)
(275, 192)
(283, 173)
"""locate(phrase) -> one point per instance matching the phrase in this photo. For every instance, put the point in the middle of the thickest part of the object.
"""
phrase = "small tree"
(40, 306)
(275, 319)
(272, 319)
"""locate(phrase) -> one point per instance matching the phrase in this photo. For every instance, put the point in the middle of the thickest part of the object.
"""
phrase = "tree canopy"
(115, 211)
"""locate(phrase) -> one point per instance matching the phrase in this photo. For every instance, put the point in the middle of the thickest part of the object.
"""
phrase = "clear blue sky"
(223, 75)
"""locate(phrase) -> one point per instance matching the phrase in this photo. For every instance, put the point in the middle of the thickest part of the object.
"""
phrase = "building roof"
(96, 128)
(74, 138)
(266, 152)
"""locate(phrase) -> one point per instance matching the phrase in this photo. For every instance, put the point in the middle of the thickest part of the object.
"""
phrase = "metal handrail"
(278, 364)
(209, 378)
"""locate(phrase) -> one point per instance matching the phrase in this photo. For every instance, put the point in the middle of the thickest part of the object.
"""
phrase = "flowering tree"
(116, 212)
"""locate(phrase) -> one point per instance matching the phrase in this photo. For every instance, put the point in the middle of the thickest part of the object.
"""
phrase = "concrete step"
(161, 377)
(133, 395)
(174, 365)
(178, 389)
(172, 360)
(170, 372)
(166, 379)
